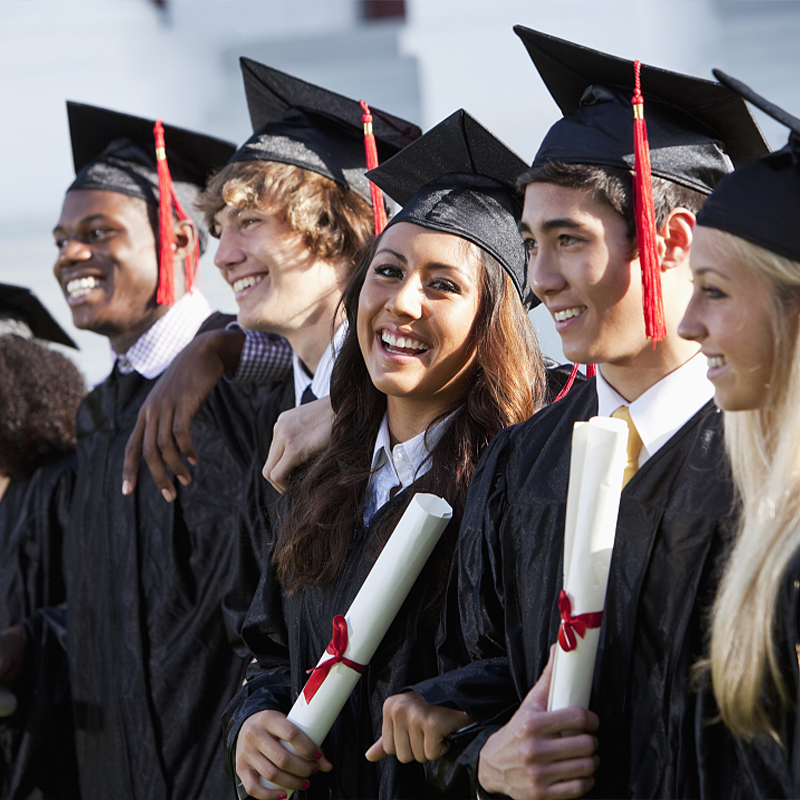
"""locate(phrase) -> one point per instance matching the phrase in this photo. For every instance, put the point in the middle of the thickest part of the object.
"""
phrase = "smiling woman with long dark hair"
(439, 356)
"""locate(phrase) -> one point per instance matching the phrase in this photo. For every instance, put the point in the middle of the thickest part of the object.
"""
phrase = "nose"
(229, 252)
(544, 276)
(73, 251)
(691, 326)
(406, 300)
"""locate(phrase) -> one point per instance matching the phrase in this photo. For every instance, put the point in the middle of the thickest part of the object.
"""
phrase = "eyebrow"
(403, 260)
(85, 221)
(551, 225)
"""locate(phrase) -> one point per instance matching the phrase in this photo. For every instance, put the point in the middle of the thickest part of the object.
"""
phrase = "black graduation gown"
(767, 768)
(151, 667)
(288, 634)
(37, 741)
(675, 521)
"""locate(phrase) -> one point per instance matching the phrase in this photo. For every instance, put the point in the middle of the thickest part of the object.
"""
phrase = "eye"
(99, 233)
(531, 245)
(445, 285)
(712, 293)
(567, 239)
(248, 222)
(387, 270)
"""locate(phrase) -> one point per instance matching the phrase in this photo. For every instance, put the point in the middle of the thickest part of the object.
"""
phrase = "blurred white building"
(421, 59)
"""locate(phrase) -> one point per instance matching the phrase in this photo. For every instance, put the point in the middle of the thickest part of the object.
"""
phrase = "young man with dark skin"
(144, 629)
(677, 511)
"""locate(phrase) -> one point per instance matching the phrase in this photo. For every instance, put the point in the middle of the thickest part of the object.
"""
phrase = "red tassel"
(378, 210)
(166, 276)
(644, 213)
(166, 198)
(590, 373)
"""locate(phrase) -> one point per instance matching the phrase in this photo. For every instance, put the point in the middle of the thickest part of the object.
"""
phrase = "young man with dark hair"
(676, 512)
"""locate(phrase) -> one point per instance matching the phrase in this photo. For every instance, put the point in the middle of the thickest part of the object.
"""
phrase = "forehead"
(408, 238)
(83, 203)
(548, 201)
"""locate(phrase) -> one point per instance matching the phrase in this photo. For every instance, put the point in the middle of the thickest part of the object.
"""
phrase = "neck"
(408, 419)
(633, 376)
(4, 481)
(123, 341)
(311, 341)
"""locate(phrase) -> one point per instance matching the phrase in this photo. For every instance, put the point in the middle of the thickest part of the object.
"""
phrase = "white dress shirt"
(664, 408)
(398, 466)
(320, 383)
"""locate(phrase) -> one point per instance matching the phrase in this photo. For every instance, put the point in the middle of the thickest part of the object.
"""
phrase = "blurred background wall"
(421, 59)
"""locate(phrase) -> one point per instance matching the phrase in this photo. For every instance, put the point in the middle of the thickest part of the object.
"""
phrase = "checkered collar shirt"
(156, 348)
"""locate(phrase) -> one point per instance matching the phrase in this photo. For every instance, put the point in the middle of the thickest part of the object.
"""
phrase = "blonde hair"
(764, 448)
(334, 221)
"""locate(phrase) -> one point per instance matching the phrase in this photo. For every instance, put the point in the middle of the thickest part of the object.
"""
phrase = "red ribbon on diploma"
(571, 625)
(336, 648)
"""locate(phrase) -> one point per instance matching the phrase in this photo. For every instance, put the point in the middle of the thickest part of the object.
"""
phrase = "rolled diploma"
(8, 702)
(372, 612)
(595, 485)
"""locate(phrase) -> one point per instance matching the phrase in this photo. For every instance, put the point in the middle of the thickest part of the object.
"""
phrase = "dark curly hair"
(40, 392)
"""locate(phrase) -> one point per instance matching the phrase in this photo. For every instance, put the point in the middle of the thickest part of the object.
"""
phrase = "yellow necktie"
(634, 444)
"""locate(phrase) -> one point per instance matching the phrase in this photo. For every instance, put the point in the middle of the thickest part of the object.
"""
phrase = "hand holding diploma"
(356, 637)
(531, 757)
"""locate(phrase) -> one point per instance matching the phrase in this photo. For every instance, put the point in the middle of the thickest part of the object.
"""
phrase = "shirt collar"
(414, 452)
(320, 383)
(665, 407)
(156, 348)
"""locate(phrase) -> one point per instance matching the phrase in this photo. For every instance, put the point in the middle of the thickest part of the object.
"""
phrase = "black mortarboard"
(22, 313)
(115, 152)
(695, 127)
(298, 123)
(459, 178)
(761, 201)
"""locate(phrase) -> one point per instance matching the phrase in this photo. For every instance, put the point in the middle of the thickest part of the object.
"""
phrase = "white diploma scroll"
(8, 702)
(372, 612)
(595, 484)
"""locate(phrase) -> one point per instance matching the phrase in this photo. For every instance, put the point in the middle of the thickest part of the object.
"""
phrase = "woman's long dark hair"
(324, 504)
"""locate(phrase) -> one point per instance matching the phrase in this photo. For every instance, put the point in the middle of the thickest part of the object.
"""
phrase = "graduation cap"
(298, 123)
(761, 201)
(22, 314)
(696, 131)
(459, 178)
(160, 164)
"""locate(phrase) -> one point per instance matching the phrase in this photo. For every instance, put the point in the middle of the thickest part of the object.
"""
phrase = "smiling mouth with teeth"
(569, 313)
(715, 361)
(402, 344)
(81, 286)
(246, 283)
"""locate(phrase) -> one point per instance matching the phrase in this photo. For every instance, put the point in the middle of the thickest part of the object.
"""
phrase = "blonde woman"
(744, 313)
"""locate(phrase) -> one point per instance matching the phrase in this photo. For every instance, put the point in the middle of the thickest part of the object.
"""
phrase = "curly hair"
(39, 397)
(333, 221)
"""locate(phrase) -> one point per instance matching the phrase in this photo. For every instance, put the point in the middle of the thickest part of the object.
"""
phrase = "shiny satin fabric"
(675, 522)
(36, 742)
(287, 636)
(150, 660)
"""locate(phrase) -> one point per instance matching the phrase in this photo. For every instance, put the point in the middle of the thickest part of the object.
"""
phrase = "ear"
(675, 238)
(184, 238)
